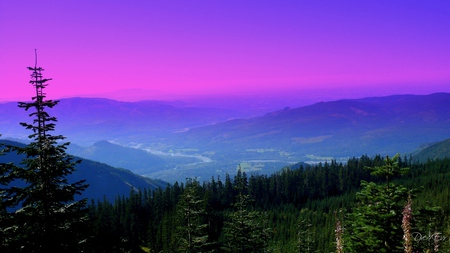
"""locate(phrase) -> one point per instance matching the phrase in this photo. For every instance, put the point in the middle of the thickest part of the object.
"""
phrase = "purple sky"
(205, 47)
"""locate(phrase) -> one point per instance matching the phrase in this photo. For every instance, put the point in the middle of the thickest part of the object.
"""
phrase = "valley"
(145, 138)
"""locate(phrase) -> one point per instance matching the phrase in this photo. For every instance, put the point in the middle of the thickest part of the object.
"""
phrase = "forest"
(302, 208)
(366, 204)
(299, 209)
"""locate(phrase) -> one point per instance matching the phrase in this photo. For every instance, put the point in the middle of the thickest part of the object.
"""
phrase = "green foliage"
(279, 202)
(305, 237)
(244, 232)
(375, 223)
(192, 231)
(429, 229)
(298, 204)
(389, 170)
(439, 150)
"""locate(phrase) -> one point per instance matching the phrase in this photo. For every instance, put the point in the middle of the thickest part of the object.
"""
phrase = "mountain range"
(379, 125)
(88, 120)
(175, 140)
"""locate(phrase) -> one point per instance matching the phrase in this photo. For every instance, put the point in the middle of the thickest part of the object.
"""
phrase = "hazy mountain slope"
(318, 132)
(338, 128)
(103, 180)
(434, 151)
(110, 182)
(136, 160)
(88, 120)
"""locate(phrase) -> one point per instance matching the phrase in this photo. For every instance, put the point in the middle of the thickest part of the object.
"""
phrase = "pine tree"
(192, 231)
(5, 218)
(305, 237)
(375, 224)
(246, 231)
(43, 215)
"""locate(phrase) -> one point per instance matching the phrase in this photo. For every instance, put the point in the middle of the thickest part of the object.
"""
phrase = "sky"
(163, 49)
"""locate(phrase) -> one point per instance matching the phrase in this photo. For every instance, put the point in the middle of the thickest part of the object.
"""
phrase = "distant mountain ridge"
(88, 120)
(211, 141)
(390, 124)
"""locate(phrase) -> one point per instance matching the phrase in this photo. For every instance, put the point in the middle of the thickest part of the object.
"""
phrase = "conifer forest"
(366, 204)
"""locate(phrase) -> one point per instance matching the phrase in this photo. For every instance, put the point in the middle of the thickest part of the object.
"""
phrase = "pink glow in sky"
(205, 47)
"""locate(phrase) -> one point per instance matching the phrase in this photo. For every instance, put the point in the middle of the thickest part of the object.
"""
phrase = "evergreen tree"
(5, 218)
(192, 231)
(246, 231)
(305, 238)
(43, 215)
(428, 232)
(375, 224)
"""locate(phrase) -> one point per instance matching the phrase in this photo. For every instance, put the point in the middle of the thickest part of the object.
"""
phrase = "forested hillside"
(438, 150)
(295, 210)
(104, 181)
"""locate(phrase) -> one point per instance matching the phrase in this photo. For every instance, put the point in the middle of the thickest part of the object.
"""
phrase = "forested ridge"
(295, 210)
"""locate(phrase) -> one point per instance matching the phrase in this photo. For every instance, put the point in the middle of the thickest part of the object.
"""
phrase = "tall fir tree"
(42, 213)
(305, 237)
(247, 230)
(375, 224)
(192, 230)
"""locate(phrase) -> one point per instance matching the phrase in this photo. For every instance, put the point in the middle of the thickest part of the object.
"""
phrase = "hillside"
(104, 180)
(298, 202)
(88, 120)
(136, 160)
(336, 128)
(439, 150)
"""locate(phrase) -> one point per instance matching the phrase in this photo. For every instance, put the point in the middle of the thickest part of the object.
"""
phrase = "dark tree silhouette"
(40, 213)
